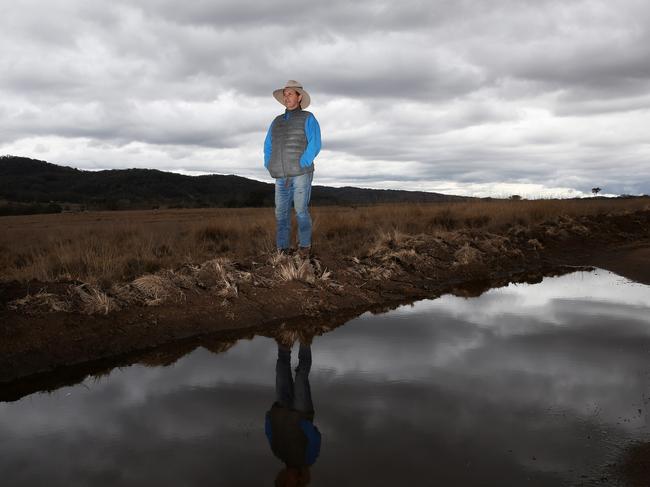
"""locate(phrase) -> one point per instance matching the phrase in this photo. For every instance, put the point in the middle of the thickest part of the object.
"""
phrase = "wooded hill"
(33, 186)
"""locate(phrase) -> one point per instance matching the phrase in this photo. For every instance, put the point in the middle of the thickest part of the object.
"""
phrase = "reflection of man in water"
(289, 423)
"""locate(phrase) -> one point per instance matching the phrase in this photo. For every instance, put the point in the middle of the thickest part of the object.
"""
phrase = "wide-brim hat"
(294, 85)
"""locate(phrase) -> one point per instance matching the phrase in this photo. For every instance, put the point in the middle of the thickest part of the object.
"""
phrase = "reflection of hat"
(294, 85)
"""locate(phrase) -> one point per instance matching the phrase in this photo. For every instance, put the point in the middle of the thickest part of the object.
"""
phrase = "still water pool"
(542, 384)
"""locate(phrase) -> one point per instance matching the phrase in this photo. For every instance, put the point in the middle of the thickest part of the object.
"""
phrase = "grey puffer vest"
(288, 144)
(288, 441)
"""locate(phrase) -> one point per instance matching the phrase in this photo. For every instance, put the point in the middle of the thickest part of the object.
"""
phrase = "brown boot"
(305, 336)
(286, 338)
(304, 252)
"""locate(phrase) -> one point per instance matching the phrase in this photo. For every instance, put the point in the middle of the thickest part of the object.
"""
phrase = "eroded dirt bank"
(45, 326)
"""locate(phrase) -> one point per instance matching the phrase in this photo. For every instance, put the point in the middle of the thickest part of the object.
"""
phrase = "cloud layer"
(539, 98)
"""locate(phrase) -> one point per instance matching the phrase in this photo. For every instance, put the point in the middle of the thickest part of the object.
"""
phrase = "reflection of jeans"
(294, 395)
(296, 190)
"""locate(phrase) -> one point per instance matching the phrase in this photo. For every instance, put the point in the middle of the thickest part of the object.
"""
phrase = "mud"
(69, 329)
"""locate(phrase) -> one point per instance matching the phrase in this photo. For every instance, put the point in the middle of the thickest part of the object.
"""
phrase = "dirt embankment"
(45, 326)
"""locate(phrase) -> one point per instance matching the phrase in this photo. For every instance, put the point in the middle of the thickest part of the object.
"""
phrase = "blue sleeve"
(312, 132)
(267, 429)
(268, 145)
(313, 441)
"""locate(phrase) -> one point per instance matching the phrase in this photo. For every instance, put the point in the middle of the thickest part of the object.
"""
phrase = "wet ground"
(543, 384)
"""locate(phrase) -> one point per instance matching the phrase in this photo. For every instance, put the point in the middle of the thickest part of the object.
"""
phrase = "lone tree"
(595, 191)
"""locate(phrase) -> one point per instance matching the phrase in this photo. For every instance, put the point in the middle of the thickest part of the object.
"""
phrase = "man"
(292, 143)
(289, 424)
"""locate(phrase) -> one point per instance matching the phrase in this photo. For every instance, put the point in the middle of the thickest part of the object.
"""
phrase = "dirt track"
(34, 340)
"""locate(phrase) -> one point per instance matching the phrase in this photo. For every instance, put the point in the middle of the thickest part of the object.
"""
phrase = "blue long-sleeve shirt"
(312, 132)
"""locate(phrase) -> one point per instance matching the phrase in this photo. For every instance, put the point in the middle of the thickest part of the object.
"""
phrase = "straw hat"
(294, 85)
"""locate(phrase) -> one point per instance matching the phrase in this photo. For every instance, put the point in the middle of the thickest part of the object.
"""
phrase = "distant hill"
(33, 186)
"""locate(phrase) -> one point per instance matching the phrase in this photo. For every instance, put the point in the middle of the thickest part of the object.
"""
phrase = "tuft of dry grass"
(467, 255)
(387, 240)
(156, 289)
(85, 298)
(219, 274)
(41, 301)
(287, 336)
(296, 269)
(94, 301)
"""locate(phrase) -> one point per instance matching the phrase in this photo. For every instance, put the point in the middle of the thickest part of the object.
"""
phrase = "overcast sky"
(480, 97)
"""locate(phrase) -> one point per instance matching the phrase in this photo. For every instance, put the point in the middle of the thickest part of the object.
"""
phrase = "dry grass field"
(107, 247)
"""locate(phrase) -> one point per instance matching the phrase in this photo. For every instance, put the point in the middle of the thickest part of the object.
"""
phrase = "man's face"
(291, 98)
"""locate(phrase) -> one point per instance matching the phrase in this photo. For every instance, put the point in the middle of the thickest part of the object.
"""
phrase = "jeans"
(296, 190)
(289, 393)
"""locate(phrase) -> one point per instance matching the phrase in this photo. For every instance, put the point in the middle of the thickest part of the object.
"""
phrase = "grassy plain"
(107, 247)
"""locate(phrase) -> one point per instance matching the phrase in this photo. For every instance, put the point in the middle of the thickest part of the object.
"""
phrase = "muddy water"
(542, 384)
